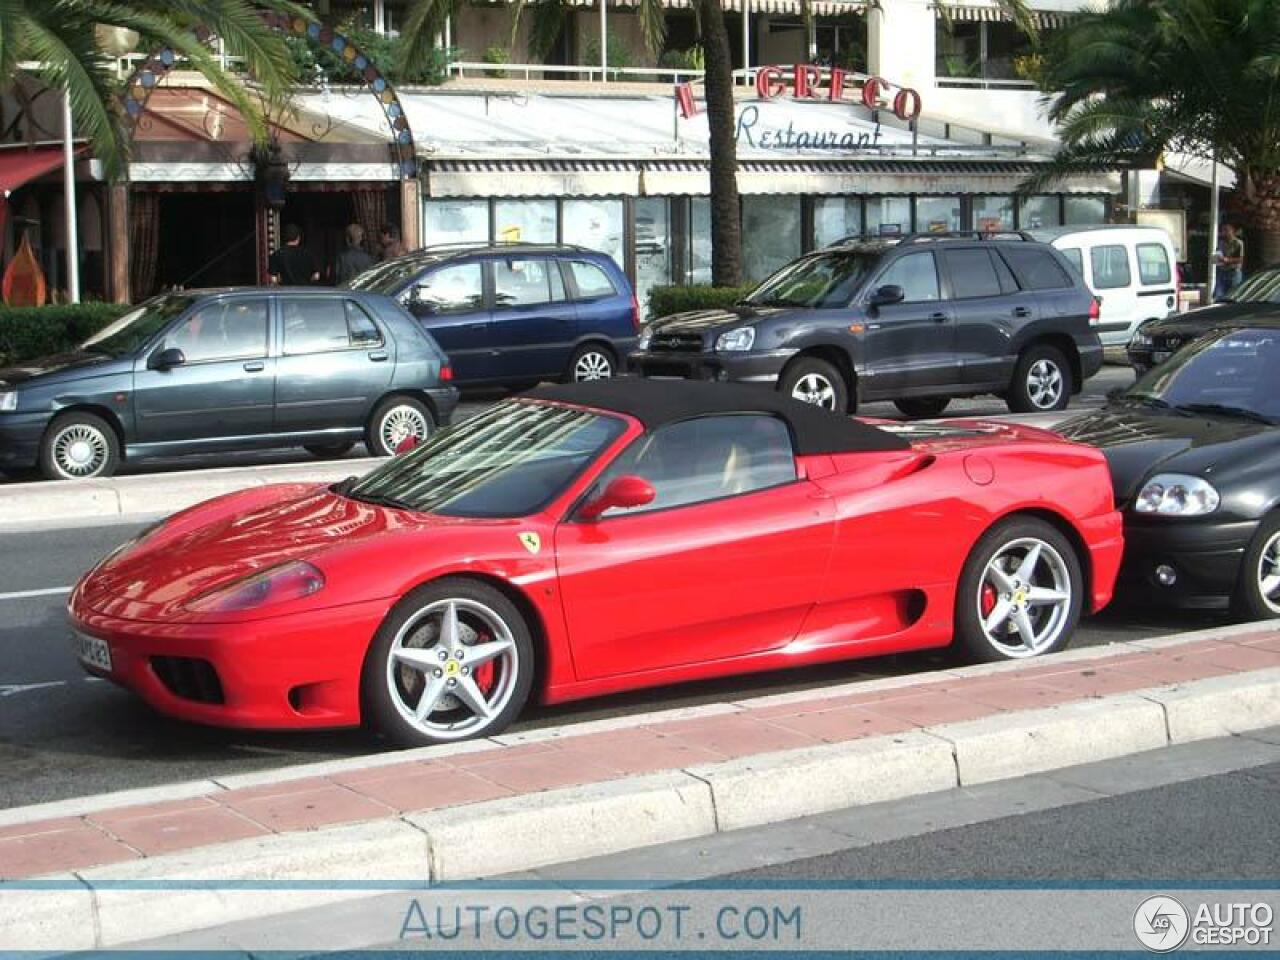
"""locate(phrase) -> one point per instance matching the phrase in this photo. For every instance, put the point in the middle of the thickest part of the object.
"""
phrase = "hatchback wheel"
(811, 380)
(591, 361)
(1020, 592)
(1257, 592)
(396, 420)
(454, 660)
(78, 446)
(1041, 381)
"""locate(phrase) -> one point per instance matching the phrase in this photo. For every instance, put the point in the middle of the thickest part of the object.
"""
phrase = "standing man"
(292, 265)
(391, 245)
(354, 260)
(1230, 262)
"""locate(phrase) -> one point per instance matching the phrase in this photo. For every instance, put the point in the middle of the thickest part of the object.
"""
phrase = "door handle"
(938, 317)
(1022, 311)
(378, 356)
(255, 366)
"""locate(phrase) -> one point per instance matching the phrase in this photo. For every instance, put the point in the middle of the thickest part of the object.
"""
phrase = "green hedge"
(667, 300)
(29, 332)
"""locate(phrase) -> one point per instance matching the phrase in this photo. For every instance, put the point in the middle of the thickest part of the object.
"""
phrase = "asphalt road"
(63, 734)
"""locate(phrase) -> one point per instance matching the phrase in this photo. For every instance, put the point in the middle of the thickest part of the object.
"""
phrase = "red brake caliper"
(484, 675)
(988, 599)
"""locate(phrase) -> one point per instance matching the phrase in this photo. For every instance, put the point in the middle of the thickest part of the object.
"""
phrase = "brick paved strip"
(775, 726)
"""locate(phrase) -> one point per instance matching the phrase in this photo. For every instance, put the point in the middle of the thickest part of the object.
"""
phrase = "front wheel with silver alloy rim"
(396, 420)
(1041, 381)
(78, 446)
(815, 381)
(591, 361)
(453, 660)
(1020, 593)
(1257, 592)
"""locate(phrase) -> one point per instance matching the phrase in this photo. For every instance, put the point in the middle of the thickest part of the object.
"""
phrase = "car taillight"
(1095, 310)
(635, 313)
(446, 373)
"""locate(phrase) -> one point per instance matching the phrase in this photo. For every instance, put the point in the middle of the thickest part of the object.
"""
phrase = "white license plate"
(93, 652)
(1160, 356)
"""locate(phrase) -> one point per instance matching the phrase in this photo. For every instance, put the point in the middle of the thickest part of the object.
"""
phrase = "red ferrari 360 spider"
(585, 539)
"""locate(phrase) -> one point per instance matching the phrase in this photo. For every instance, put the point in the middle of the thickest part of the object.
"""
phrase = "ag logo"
(1161, 924)
(532, 542)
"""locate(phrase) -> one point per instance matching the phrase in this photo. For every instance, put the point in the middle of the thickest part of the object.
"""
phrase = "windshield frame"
(625, 429)
(119, 326)
(413, 268)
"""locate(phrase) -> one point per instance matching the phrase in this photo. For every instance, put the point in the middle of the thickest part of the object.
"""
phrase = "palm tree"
(1196, 77)
(60, 38)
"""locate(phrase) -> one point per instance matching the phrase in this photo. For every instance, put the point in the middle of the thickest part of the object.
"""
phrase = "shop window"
(959, 50)
(524, 221)
(992, 213)
(526, 282)
(454, 221)
(1153, 264)
(1039, 211)
(596, 225)
(937, 214)
(916, 274)
(770, 234)
(699, 241)
(888, 216)
(835, 218)
(653, 245)
(1086, 210)
(1110, 265)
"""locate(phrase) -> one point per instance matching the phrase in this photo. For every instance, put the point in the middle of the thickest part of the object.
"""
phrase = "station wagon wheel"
(1041, 381)
(1257, 592)
(394, 421)
(591, 361)
(453, 660)
(814, 381)
(78, 446)
(1020, 593)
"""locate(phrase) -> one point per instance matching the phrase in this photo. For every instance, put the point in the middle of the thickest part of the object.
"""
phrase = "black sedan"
(1156, 340)
(1194, 450)
(229, 369)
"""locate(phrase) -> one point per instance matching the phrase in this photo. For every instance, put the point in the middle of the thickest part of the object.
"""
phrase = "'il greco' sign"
(809, 82)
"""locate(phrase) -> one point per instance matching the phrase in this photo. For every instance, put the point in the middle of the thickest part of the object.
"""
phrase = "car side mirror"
(625, 492)
(888, 294)
(167, 359)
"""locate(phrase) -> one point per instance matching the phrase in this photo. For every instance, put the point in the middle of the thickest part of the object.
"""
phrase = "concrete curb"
(157, 894)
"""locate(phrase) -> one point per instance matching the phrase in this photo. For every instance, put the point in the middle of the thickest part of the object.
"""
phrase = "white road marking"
(28, 594)
(9, 689)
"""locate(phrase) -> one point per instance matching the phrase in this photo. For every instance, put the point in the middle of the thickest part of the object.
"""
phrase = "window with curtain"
(835, 218)
(1039, 211)
(770, 234)
(1086, 210)
(653, 246)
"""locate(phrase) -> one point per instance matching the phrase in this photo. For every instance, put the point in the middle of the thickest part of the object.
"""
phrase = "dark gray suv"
(230, 369)
(917, 320)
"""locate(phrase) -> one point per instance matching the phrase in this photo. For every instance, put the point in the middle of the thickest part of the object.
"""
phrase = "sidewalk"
(520, 801)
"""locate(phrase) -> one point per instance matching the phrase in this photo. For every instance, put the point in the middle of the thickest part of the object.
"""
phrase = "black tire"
(597, 358)
(808, 378)
(1249, 601)
(382, 441)
(1034, 361)
(974, 592)
(922, 408)
(382, 710)
(329, 451)
(59, 450)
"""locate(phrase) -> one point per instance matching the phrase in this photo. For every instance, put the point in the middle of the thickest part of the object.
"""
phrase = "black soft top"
(658, 402)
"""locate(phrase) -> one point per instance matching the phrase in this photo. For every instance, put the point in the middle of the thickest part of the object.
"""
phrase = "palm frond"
(425, 21)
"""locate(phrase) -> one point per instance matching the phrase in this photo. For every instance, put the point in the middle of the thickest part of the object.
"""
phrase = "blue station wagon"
(231, 369)
(516, 314)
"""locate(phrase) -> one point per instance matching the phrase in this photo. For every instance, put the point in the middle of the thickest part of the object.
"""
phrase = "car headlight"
(1176, 495)
(740, 338)
(646, 335)
(289, 581)
(8, 401)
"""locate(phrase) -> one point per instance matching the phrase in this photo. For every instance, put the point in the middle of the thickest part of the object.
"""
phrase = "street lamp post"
(69, 201)
(604, 41)
(1213, 229)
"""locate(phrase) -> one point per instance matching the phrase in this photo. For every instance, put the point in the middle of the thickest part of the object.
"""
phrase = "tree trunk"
(726, 227)
(1261, 216)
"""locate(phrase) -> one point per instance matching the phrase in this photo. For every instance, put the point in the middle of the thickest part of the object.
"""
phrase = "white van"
(1133, 271)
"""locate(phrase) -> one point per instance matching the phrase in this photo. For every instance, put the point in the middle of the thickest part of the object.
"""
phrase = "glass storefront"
(1085, 210)
(653, 245)
(835, 218)
(992, 213)
(524, 221)
(888, 216)
(455, 221)
(937, 214)
(597, 224)
(1036, 212)
(770, 235)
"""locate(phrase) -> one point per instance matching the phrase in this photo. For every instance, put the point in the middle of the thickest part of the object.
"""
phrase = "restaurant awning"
(21, 164)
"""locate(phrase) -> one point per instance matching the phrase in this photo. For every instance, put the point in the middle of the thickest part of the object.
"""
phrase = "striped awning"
(991, 12)
(819, 8)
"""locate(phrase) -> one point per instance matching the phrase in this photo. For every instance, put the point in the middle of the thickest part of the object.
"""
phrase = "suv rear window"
(1035, 269)
(1153, 264)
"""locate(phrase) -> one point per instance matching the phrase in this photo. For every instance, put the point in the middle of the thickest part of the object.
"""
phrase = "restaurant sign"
(831, 84)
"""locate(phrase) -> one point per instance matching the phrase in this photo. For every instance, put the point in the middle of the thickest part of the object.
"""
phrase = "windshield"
(386, 278)
(136, 327)
(826, 280)
(1262, 287)
(1231, 373)
(510, 461)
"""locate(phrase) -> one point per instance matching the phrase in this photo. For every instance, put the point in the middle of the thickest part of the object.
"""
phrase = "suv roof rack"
(933, 237)
(461, 246)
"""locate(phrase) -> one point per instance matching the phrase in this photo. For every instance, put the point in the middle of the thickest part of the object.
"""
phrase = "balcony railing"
(590, 73)
(982, 83)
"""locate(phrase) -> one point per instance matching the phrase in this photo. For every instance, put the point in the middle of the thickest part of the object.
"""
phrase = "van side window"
(1035, 269)
(522, 283)
(591, 281)
(1075, 258)
(1153, 264)
(1110, 267)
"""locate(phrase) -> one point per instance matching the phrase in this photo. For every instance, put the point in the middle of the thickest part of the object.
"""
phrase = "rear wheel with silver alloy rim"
(78, 446)
(453, 660)
(1041, 381)
(1257, 593)
(396, 420)
(591, 361)
(815, 381)
(1020, 593)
